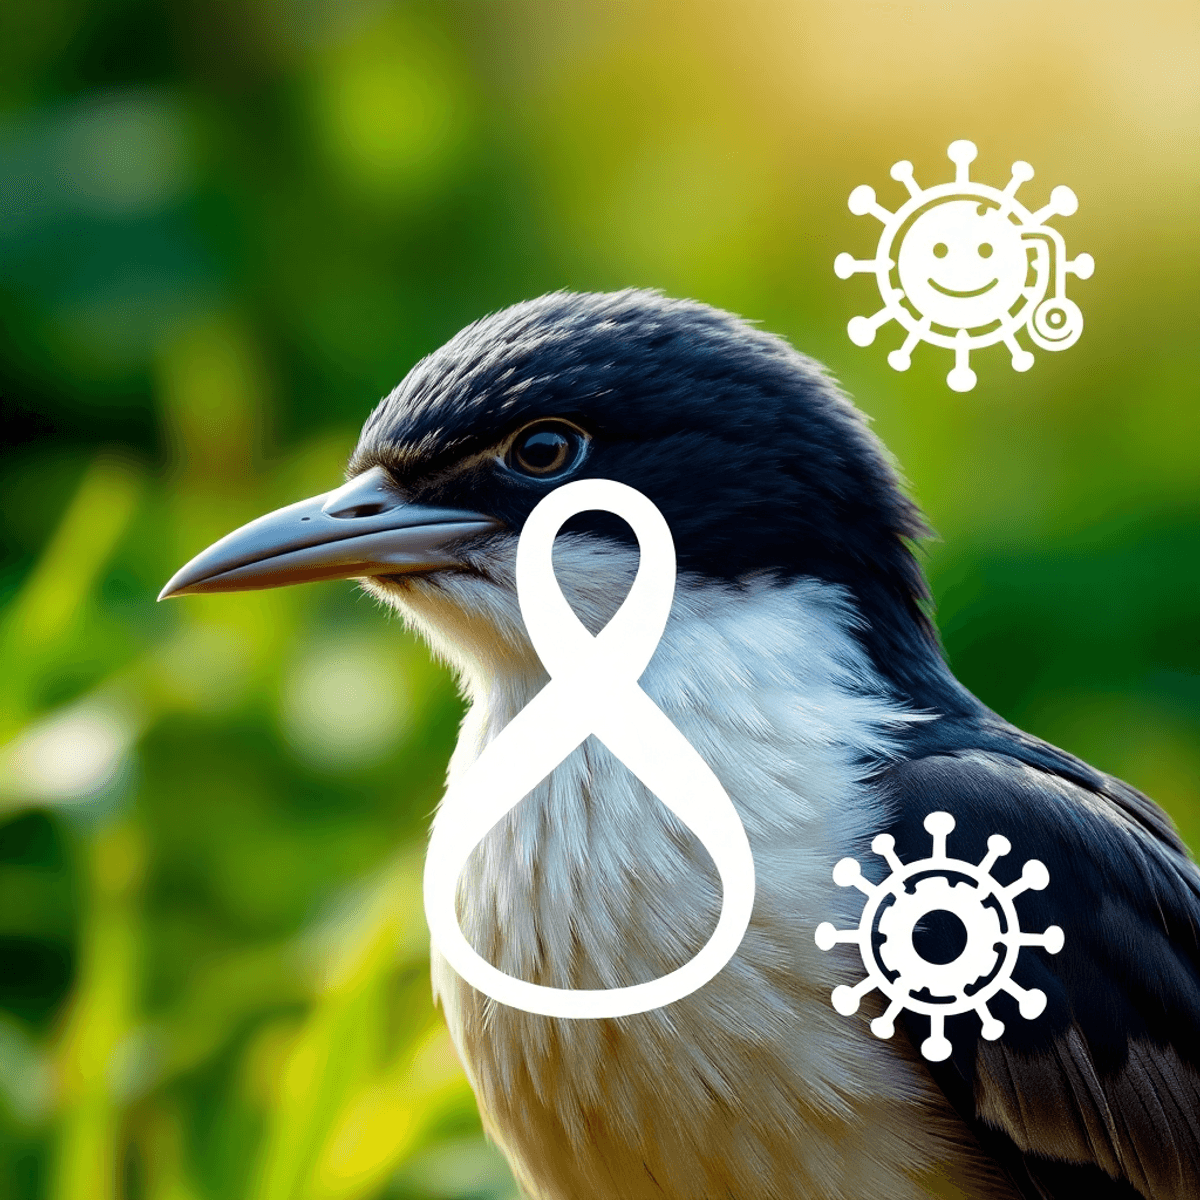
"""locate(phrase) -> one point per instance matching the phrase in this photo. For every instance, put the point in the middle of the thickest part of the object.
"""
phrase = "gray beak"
(363, 528)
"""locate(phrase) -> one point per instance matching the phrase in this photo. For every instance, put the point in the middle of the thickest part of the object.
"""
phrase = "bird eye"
(546, 449)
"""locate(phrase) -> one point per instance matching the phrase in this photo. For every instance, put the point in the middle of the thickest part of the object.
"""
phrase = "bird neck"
(901, 643)
(591, 882)
(769, 683)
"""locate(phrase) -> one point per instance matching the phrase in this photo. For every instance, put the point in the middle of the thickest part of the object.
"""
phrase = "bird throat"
(590, 882)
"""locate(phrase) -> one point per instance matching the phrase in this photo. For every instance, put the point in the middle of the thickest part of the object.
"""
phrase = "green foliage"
(225, 230)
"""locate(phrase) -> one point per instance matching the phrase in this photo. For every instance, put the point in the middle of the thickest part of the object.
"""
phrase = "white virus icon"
(972, 265)
(985, 964)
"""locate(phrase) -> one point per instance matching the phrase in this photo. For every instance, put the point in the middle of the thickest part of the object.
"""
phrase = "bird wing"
(1100, 1094)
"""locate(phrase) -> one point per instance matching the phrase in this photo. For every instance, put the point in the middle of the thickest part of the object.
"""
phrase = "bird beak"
(363, 528)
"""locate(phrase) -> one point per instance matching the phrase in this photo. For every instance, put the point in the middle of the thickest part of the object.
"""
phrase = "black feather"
(1120, 1037)
(758, 461)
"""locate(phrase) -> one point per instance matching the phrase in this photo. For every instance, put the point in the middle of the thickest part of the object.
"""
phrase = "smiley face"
(962, 264)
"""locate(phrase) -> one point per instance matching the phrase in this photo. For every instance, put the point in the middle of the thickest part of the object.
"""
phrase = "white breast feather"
(752, 1087)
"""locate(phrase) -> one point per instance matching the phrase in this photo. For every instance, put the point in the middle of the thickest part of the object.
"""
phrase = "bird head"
(761, 466)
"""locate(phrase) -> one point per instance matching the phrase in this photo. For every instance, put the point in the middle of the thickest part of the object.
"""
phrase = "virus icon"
(911, 894)
(973, 265)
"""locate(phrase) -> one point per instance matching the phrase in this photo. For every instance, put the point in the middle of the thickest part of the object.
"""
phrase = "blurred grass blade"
(96, 517)
(99, 1023)
(54, 591)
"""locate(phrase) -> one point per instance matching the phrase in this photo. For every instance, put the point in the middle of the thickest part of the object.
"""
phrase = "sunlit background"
(227, 228)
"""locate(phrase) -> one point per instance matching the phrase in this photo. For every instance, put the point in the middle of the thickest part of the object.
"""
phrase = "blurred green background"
(226, 228)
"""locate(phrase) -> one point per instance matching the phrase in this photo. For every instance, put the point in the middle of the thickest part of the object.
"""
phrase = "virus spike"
(862, 201)
(862, 329)
(846, 999)
(1022, 172)
(1022, 360)
(847, 873)
(885, 846)
(935, 1047)
(939, 826)
(998, 847)
(901, 360)
(961, 378)
(1033, 875)
(992, 1028)
(885, 1026)
(846, 265)
(827, 936)
(1031, 1003)
(1051, 940)
(1081, 266)
(902, 172)
(1063, 202)
(962, 154)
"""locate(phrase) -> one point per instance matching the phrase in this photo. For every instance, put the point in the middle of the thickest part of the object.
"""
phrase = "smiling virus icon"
(922, 894)
(963, 265)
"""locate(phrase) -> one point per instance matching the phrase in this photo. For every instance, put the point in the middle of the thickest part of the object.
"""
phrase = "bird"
(801, 660)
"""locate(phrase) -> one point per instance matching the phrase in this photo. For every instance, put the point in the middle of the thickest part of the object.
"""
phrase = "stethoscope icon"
(593, 690)
(1056, 321)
